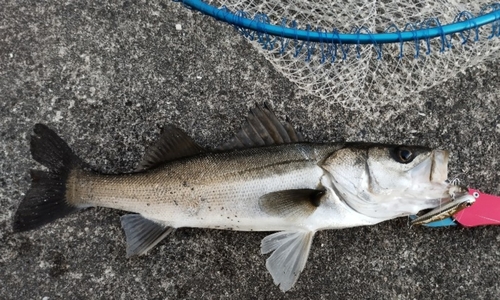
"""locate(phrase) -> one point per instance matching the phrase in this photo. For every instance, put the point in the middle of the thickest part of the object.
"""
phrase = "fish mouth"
(433, 169)
(455, 197)
(438, 176)
(439, 166)
(441, 194)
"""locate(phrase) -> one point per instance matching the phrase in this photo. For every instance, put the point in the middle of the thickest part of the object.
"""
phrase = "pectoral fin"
(291, 203)
(289, 258)
(142, 234)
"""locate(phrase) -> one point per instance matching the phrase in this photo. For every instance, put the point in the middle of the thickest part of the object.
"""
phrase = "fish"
(264, 178)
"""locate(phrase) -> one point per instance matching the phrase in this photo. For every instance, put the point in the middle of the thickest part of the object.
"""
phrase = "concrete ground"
(107, 75)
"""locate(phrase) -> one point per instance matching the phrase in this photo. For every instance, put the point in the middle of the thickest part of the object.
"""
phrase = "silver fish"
(266, 178)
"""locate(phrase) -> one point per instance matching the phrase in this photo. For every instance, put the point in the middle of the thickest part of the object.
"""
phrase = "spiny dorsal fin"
(172, 144)
(291, 203)
(262, 128)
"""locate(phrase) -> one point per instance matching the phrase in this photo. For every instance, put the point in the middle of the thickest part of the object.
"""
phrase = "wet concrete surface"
(107, 76)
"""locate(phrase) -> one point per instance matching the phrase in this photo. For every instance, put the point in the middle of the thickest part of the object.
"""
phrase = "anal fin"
(291, 250)
(142, 234)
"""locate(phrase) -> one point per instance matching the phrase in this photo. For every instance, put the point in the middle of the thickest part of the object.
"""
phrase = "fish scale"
(208, 190)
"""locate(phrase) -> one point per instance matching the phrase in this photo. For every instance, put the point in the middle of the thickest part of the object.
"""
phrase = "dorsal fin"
(262, 128)
(172, 144)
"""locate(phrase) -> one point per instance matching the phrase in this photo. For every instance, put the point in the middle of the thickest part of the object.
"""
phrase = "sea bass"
(266, 178)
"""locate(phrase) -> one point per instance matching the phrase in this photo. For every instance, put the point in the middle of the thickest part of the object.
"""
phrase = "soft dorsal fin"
(262, 128)
(172, 144)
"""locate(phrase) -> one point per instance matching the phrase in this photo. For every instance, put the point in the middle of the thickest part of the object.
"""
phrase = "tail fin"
(46, 199)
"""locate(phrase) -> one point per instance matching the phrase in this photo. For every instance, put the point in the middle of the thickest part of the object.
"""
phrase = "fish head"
(386, 182)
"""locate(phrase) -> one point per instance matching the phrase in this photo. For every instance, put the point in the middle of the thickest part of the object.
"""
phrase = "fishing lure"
(445, 211)
(483, 210)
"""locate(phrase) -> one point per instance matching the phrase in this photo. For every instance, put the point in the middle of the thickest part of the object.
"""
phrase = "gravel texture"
(107, 75)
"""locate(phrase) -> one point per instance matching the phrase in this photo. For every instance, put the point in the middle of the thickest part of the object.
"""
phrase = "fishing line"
(361, 53)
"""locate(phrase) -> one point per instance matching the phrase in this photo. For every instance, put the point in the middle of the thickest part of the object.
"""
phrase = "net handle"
(343, 38)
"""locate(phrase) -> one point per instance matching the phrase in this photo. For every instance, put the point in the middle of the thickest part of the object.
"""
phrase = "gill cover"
(388, 181)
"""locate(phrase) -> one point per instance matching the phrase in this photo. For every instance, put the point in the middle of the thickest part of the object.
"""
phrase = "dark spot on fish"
(222, 208)
(315, 198)
(176, 203)
(184, 184)
(192, 189)
(202, 199)
(360, 160)
(148, 204)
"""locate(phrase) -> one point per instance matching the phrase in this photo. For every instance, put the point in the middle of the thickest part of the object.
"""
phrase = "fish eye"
(403, 155)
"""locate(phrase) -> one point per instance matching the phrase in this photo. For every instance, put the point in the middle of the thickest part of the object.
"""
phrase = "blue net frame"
(332, 43)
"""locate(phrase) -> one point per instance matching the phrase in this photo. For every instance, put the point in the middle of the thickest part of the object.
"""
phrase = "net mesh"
(369, 75)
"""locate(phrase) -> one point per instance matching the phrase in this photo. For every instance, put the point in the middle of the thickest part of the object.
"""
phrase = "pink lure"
(485, 211)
